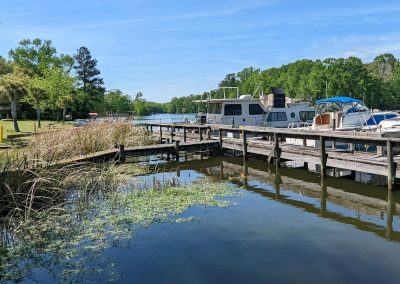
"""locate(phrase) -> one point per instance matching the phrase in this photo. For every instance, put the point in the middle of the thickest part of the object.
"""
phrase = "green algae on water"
(68, 244)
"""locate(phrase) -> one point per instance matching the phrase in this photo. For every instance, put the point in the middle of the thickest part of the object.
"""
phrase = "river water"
(165, 118)
(288, 226)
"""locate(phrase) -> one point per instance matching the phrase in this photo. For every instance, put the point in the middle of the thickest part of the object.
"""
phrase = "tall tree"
(59, 85)
(13, 87)
(115, 101)
(37, 95)
(39, 55)
(90, 82)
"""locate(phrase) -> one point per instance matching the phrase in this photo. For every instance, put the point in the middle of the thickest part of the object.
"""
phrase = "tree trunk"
(14, 114)
(38, 115)
(64, 114)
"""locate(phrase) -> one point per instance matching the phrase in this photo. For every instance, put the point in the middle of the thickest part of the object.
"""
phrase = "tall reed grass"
(26, 181)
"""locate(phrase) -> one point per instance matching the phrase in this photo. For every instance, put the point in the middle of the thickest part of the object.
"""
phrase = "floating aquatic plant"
(65, 241)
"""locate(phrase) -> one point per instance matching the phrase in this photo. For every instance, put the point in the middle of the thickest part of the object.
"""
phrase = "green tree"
(139, 104)
(39, 55)
(13, 87)
(91, 85)
(59, 86)
(37, 95)
(117, 102)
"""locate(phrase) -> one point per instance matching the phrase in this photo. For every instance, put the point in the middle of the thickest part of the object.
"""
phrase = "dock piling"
(177, 150)
(390, 165)
(121, 154)
(220, 139)
(323, 156)
(244, 141)
(172, 133)
(184, 134)
(160, 128)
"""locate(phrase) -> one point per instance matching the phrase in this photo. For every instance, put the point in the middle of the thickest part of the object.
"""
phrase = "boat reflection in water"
(367, 207)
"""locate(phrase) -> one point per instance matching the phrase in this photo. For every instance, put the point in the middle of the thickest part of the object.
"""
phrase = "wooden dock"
(275, 149)
(121, 153)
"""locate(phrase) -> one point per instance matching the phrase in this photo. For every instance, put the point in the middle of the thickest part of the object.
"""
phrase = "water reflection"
(367, 207)
(324, 196)
(391, 210)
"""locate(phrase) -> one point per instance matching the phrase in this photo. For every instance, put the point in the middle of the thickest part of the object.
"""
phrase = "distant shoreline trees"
(377, 83)
(38, 81)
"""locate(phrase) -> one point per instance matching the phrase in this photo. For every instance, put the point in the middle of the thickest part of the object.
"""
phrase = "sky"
(167, 48)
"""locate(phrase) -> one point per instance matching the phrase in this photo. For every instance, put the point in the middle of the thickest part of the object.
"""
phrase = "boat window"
(277, 116)
(215, 108)
(233, 109)
(292, 115)
(306, 115)
(255, 109)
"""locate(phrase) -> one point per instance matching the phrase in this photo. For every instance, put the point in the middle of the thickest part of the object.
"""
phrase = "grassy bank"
(28, 126)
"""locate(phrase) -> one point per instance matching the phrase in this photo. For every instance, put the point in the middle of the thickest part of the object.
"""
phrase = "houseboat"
(273, 110)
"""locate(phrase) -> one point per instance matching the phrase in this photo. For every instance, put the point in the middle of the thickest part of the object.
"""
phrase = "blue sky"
(167, 48)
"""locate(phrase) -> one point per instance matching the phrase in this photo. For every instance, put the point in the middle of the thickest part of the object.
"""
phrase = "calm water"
(165, 118)
(289, 227)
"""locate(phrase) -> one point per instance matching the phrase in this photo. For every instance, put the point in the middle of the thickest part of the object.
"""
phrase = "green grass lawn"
(28, 126)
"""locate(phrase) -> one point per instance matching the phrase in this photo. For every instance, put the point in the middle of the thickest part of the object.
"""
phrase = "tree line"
(377, 83)
(37, 78)
(36, 81)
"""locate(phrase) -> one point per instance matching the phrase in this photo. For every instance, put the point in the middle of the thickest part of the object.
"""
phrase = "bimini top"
(341, 100)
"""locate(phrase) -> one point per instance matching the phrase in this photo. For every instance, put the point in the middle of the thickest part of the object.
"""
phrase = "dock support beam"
(391, 165)
(323, 156)
(121, 154)
(184, 134)
(209, 133)
(220, 139)
(172, 133)
(275, 151)
(244, 140)
(177, 150)
(200, 134)
(160, 128)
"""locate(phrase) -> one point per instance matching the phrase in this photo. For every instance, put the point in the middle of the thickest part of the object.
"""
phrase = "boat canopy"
(342, 100)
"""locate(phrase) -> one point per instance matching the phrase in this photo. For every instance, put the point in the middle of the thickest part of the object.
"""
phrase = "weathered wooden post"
(34, 127)
(160, 127)
(168, 154)
(184, 134)
(391, 174)
(323, 155)
(209, 133)
(1, 134)
(304, 142)
(277, 151)
(172, 133)
(244, 141)
(121, 154)
(177, 150)
(151, 128)
(220, 139)
(200, 134)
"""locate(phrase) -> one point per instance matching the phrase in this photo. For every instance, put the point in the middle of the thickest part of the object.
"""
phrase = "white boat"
(348, 114)
(273, 110)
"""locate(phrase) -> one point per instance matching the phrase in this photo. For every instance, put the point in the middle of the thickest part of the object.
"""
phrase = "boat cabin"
(273, 110)
(341, 113)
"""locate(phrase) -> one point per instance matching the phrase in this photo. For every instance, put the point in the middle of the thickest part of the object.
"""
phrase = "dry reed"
(51, 146)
